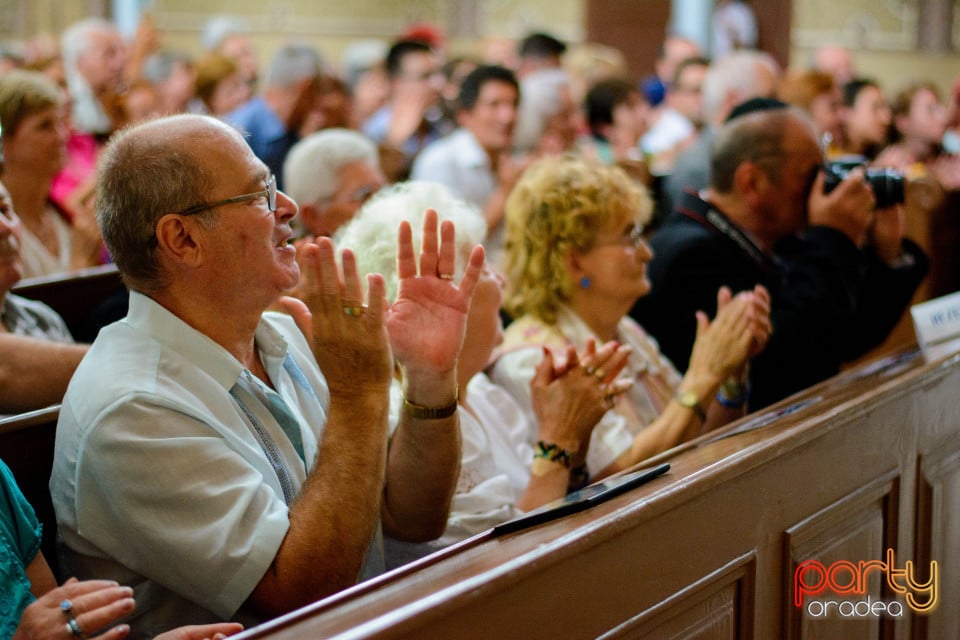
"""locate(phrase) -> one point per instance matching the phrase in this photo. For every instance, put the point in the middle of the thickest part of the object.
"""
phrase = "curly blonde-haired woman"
(576, 263)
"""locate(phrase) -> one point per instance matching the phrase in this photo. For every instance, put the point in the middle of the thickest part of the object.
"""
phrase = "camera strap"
(715, 220)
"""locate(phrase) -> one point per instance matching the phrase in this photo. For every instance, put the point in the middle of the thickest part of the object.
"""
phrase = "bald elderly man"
(232, 464)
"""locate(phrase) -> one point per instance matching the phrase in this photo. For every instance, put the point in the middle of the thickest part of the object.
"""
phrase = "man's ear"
(748, 180)
(178, 238)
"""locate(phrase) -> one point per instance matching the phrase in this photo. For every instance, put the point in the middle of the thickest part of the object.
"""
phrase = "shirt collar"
(172, 333)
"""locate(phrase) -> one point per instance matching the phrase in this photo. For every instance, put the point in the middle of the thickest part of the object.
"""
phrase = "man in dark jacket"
(838, 269)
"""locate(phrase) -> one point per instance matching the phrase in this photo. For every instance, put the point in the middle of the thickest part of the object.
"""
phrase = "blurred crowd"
(659, 256)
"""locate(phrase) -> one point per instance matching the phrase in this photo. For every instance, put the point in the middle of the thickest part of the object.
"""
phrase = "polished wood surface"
(865, 462)
(86, 299)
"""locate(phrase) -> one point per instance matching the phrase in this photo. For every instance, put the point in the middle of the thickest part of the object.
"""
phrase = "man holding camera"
(838, 269)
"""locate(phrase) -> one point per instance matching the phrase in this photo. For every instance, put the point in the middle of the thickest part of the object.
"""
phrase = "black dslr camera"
(887, 184)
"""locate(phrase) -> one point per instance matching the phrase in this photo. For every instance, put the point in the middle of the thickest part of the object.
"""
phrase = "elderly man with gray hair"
(235, 464)
(94, 57)
(330, 174)
(271, 121)
(733, 79)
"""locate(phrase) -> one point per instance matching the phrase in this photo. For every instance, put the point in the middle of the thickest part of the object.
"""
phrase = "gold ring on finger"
(445, 276)
(600, 373)
(353, 311)
(589, 370)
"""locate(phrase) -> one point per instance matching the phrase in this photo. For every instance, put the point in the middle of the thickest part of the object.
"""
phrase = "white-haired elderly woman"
(330, 174)
(94, 58)
(508, 466)
(548, 119)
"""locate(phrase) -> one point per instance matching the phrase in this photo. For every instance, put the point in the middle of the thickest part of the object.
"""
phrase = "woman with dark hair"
(919, 124)
(866, 119)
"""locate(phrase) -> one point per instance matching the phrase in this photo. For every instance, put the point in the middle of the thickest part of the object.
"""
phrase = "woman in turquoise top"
(19, 545)
(33, 607)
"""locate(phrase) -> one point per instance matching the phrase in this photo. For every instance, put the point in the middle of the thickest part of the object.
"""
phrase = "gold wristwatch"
(689, 400)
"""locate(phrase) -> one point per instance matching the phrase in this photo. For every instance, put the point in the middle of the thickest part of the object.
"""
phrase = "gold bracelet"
(420, 412)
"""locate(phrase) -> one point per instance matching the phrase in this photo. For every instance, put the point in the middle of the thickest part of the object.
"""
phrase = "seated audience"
(54, 239)
(675, 125)
(230, 36)
(588, 63)
(19, 315)
(362, 66)
(35, 608)
(94, 61)
(332, 107)
(474, 161)
(411, 118)
(506, 466)
(330, 174)
(252, 447)
(616, 114)
(674, 50)
(733, 26)
(37, 354)
(548, 120)
(866, 119)
(174, 78)
(454, 70)
(576, 263)
(729, 81)
(141, 101)
(538, 51)
(834, 60)
(919, 124)
(839, 272)
(220, 85)
(271, 121)
(816, 93)
(35, 372)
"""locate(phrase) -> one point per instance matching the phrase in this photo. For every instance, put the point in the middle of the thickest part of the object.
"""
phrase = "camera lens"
(887, 185)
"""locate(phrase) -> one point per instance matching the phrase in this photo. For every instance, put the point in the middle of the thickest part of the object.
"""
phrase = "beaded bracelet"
(552, 453)
(733, 395)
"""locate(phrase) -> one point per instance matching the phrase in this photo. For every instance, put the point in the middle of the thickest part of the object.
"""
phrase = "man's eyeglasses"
(270, 193)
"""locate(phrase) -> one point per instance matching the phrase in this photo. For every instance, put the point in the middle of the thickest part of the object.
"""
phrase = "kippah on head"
(754, 105)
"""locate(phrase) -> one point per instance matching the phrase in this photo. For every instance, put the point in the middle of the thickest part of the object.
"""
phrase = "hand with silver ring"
(73, 628)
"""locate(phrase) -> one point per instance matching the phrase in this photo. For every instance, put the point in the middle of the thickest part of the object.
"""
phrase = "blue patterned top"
(19, 545)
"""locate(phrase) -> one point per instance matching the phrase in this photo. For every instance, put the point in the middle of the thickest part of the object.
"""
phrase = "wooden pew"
(87, 299)
(862, 463)
(26, 446)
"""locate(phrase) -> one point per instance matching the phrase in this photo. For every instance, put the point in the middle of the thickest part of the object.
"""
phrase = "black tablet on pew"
(581, 499)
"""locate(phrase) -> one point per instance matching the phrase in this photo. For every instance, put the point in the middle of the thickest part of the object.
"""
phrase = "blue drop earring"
(584, 282)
